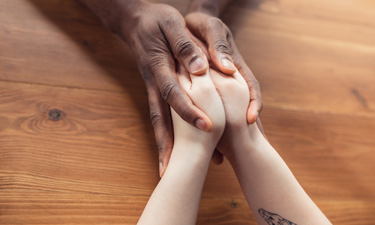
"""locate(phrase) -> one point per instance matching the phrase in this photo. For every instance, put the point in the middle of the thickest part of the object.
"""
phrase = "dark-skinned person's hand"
(157, 35)
(202, 20)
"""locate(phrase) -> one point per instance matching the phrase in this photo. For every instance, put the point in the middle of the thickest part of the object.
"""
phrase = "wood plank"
(35, 32)
(95, 162)
(58, 208)
(103, 146)
(337, 64)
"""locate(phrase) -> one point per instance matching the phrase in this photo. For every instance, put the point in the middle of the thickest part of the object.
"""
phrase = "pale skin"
(271, 190)
(176, 198)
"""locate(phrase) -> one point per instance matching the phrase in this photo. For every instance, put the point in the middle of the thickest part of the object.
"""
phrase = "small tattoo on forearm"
(273, 218)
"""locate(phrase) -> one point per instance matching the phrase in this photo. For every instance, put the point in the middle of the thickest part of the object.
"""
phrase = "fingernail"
(161, 169)
(201, 124)
(228, 64)
(198, 66)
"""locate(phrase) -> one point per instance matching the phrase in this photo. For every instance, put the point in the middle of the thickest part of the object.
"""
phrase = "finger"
(202, 80)
(183, 48)
(237, 75)
(161, 121)
(217, 157)
(254, 110)
(202, 46)
(218, 78)
(171, 92)
(255, 105)
(216, 34)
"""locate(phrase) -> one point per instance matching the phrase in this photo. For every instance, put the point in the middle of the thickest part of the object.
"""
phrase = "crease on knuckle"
(155, 117)
(183, 48)
(172, 19)
(222, 47)
(145, 75)
(168, 91)
(161, 148)
(151, 62)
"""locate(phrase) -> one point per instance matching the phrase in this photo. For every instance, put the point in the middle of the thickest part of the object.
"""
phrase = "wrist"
(192, 151)
(246, 142)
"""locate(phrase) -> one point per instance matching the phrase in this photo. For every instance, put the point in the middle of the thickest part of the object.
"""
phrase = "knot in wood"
(55, 114)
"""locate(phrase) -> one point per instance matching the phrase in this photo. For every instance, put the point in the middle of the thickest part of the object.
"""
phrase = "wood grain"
(77, 146)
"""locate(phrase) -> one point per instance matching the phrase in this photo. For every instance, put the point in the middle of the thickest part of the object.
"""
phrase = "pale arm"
(271, 190)
(176, 198)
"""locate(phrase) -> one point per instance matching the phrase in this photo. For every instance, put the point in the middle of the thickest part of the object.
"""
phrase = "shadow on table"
(105, 49)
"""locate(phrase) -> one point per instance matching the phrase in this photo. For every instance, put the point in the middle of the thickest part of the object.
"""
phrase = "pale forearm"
(269, 185)
(176, 198)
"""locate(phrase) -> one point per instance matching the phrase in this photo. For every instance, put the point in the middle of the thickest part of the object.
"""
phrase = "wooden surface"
(76, 142)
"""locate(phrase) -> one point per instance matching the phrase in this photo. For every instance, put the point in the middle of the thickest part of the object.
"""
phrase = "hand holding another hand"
(202, 92)
(157, 35)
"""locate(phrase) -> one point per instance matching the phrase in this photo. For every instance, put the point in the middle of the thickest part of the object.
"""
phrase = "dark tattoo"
(273, 218)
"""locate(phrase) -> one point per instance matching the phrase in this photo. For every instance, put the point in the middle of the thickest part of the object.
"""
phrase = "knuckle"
(145, 76)
(183, 48)
(222, 47)
(155, 117)
(151, 62)
(172, 18)
(161, 148)
(205, 90)
(215, 23)
(168, 91)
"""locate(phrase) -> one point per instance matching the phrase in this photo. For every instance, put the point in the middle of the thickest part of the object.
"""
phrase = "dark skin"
(157, 35)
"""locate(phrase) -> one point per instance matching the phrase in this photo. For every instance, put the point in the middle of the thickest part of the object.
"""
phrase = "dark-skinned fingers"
(254, 110)
(172, 93)
(217, 157)
(203, 47)
(218, 47)
(161, 121)
(183, 48)
(215, 34)
(255, 105)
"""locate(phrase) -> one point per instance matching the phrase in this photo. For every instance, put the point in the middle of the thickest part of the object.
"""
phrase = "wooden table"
(77, 145)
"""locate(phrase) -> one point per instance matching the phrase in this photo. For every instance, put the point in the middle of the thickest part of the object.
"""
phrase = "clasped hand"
(224, 99)
(160, 40)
